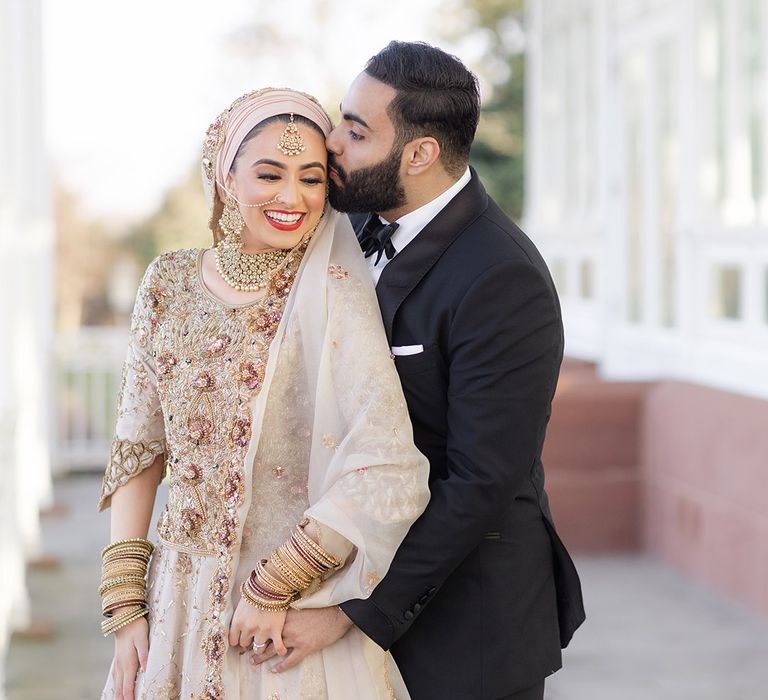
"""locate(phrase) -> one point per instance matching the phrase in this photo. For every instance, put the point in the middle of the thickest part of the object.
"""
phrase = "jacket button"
(416, 607)
(408, 615)
(432, 591)
(424, 599)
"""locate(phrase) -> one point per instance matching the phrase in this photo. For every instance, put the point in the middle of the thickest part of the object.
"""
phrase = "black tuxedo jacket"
(481, 594)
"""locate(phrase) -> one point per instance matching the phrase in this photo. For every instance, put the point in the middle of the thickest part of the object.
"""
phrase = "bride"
(258, 377)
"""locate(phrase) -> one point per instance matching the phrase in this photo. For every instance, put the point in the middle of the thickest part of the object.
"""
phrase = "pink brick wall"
(592, 461)
(705, 487)
(678, 470)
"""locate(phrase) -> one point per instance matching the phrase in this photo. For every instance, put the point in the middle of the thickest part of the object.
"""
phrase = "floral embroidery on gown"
(237, 465)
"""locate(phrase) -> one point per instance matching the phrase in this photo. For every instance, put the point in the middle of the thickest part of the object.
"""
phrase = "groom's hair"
(436, 96)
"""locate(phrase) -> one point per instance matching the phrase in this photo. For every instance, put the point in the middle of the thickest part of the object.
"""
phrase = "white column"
(739, 205)
(26, 303)
(579, 78)
(652, 174)
(690, 209)
(763, 93)
(710, 173)
(533, 116)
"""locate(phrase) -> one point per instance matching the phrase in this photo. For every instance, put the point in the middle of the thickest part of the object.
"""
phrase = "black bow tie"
(375, 238)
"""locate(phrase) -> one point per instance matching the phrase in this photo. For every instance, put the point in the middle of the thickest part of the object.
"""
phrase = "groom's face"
(365, 155)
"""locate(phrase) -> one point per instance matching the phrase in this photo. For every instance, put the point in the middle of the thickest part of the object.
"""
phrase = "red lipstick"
(285, 225)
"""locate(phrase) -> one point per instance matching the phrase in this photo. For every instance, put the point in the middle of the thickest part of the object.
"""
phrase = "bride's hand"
(253, 626)
(131, 649)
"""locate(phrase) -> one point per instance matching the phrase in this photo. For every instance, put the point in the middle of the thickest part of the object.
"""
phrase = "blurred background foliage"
(498, 153)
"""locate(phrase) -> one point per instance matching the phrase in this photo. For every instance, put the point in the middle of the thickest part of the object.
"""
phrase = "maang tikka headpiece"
(290, 141)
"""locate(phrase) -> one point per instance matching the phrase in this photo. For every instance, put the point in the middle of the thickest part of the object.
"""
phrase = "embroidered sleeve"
(127, 459)
(139, 431)
(330, 540)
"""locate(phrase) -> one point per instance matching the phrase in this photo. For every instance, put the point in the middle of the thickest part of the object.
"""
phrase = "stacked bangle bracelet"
(123, 588)
(297, 563)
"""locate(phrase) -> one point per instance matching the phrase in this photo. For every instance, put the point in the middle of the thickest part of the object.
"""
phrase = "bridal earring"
(232, 222)
(245, 272)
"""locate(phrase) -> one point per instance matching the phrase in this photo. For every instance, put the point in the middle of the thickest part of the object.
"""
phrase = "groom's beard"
(376, 188)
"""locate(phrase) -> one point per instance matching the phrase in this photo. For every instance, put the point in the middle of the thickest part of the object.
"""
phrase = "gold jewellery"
(298, 562)
(123, 588)
(245, 272)
(250, 272)
(291, 143)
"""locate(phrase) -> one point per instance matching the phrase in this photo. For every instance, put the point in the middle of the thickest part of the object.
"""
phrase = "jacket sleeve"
(139, 430)
(505, 347)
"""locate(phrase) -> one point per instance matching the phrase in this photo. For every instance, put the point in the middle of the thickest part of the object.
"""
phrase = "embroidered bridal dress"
(265, 413)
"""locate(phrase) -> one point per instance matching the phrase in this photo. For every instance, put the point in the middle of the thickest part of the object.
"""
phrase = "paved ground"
(650, 634)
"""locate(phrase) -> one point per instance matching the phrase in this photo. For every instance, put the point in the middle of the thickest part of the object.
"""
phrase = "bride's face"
(262, 173)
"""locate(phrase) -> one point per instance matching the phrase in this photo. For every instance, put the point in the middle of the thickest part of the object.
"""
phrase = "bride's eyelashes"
(271, 177)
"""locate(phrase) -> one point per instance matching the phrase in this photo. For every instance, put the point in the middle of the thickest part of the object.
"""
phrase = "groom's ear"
(420, 154)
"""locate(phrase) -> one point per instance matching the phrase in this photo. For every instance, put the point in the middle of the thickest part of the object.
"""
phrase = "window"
(726, 300)
(668, 163)
(754, 69)
(710, 55)
(765, 295)
(634, 89)
(586, 281)
(560, 276)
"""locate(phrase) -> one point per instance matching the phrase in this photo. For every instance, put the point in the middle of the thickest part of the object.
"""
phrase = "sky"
(130, 88)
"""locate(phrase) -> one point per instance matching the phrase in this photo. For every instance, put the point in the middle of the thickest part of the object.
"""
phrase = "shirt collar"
(409, 225)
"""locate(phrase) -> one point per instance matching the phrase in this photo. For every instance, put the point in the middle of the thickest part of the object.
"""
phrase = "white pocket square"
(399, 350)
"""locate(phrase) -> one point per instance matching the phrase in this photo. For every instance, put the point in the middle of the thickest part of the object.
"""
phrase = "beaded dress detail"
(238, 471)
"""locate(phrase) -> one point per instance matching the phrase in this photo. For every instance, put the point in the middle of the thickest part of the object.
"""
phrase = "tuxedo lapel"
(407, 269)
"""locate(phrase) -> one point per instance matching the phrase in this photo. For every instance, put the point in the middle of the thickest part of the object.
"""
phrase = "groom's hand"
(305, 632)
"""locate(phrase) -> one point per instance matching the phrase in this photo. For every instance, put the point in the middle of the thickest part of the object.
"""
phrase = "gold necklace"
(247, 272)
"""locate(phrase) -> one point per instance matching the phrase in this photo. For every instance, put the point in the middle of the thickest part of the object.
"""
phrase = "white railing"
(87, 375)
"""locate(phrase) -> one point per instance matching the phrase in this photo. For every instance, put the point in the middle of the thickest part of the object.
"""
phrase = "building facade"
(26, 305)
(647, 192)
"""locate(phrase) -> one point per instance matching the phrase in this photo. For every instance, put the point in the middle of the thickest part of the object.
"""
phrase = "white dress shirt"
(412, 223)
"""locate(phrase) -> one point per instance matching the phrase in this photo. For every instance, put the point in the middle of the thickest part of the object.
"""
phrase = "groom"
(481, 595)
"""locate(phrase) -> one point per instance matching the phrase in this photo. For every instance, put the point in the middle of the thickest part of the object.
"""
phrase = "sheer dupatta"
(330, 366)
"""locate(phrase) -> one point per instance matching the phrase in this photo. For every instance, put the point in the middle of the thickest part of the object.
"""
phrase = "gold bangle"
(254, 594)
(123, 591)
(123, 594)
(114, 628)
(110, 561)
(110, 611)
(127, 550)
(113, 624)
(305, 553)
(299, 564)
(325, 555)
(124, 562)
(291, 556)
(120, 581)
(125, 568)
(270, 581)
(260, 604)
(121, 576)
(136, 543)
(125, 559)
(285, 571)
